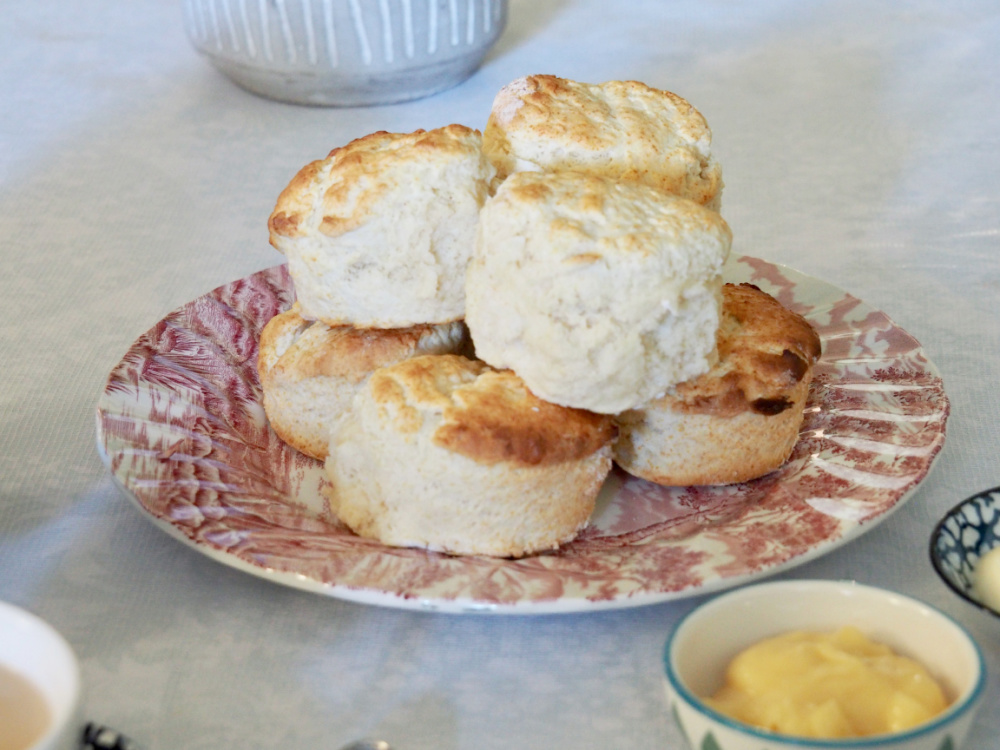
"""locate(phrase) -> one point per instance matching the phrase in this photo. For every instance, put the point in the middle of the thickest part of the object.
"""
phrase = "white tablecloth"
(860, 144)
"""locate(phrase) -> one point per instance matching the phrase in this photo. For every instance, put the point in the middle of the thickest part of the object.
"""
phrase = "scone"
(379, 233)
(624, 130)
(445, 453)
(600, 295)
(741, 419)
(309, 371)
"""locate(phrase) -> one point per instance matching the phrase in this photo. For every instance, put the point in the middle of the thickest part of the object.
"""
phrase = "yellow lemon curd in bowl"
(827, 685)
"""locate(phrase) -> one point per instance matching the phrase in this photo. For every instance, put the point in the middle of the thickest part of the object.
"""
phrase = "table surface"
(860, 144)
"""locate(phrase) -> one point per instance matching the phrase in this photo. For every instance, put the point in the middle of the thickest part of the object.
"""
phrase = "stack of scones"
(485, 322)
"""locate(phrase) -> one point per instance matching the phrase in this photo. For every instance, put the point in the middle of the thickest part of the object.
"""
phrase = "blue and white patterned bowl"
(345, 52)
(706, 640)
(965, 534)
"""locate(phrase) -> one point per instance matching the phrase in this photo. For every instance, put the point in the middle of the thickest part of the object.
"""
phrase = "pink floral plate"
(181, 427)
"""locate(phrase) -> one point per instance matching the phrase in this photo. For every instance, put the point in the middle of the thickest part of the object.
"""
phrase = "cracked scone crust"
(741, 419)
(624, 130)
(309, 371)
(446, 453)
(600, 295)
(378, 234)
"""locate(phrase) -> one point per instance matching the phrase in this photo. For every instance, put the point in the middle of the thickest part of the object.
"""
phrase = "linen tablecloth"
(860, 144)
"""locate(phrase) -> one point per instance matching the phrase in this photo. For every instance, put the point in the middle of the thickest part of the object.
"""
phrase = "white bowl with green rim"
(708, 638)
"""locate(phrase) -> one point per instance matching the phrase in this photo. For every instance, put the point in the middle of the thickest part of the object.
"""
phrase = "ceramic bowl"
(965, 534)
(706, 640)
(32, 649)
(345, 52)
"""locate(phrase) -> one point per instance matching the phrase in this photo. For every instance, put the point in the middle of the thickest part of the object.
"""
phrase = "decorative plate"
(966, 533)
(181, 427)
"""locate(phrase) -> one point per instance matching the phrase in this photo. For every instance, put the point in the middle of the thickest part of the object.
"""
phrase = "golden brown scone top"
(579, 109)
(765, 350)
(343, 186)
(294, 349)
(625, 130)
(484, 414)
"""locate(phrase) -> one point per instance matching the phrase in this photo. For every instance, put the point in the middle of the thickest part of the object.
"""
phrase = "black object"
(96, 737)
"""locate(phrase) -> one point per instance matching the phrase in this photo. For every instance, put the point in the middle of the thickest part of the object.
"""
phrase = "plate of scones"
(521, 371)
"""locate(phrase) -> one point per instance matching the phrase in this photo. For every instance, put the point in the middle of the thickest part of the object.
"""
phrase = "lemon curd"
(827, 685)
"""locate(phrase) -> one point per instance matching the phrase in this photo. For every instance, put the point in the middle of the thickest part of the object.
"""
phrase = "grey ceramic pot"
(345, 52)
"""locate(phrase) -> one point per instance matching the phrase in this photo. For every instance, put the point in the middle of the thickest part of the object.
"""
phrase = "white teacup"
(36, 663)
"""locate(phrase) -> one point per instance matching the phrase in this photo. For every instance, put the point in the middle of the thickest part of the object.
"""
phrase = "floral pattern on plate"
(181, 427)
